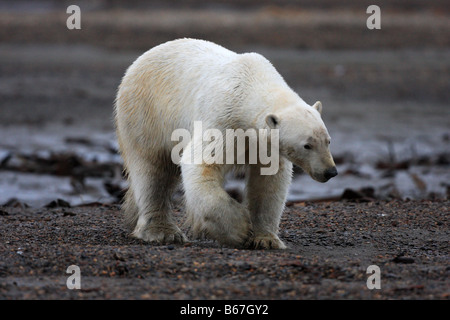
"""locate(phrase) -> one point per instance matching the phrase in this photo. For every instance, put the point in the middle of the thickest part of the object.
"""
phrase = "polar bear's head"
(304, 139)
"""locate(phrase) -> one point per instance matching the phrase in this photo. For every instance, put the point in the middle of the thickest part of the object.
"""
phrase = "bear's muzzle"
(330, 173)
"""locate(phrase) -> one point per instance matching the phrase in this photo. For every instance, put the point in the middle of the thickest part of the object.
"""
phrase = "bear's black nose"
(330, 173)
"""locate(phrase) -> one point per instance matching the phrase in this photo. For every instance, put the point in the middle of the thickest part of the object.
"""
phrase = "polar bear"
(186, 80)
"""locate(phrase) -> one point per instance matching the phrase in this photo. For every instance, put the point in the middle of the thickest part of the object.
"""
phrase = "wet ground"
(386, 111)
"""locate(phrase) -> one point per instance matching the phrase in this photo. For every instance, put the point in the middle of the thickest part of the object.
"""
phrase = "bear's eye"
(308, 147)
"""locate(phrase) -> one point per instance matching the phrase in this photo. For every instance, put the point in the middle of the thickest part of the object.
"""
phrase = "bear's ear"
(272, 121)
(318, 106)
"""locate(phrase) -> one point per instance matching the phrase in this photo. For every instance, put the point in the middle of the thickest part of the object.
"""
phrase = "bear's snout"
(330, 173)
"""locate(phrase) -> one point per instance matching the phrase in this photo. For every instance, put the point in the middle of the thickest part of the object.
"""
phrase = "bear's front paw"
(228, 224)
(160, 234)
(266, 241)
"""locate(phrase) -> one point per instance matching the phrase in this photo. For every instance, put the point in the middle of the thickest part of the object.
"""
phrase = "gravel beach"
(330, 247)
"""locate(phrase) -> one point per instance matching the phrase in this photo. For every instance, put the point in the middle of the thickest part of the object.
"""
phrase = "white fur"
(182, 81)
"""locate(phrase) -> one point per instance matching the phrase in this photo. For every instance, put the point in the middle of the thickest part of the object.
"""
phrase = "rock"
(363, 195)
(401, 259)
(58, 203)
(14, 203)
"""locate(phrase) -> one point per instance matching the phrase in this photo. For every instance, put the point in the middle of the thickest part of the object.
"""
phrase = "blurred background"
(385, 92)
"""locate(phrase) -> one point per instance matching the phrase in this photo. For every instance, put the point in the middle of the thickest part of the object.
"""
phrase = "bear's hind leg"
(152, 188)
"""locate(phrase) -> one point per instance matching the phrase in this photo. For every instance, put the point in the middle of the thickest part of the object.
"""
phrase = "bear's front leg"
(265, 198)
(211, 212)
